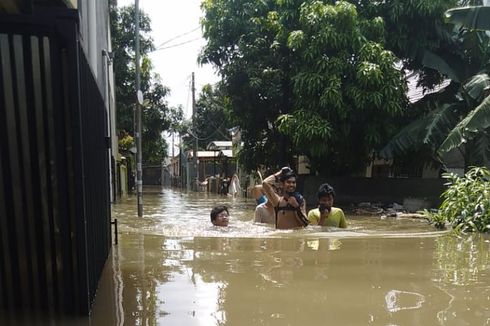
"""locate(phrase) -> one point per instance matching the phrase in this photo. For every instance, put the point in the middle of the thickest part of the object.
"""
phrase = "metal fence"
(54, 182)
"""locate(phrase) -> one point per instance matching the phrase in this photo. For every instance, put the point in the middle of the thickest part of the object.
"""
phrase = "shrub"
(466, 202)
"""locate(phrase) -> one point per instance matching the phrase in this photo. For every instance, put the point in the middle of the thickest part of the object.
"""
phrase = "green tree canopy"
(212, 121)
(156, 116)
(458, 117)
(305, 77)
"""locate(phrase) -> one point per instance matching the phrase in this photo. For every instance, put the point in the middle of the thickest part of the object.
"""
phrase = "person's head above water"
(325, 190)
(288, 179)
(220, 216)
(286, 173)
(326, 194)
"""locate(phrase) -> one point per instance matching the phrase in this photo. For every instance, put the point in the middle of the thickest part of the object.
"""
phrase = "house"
(217, 160)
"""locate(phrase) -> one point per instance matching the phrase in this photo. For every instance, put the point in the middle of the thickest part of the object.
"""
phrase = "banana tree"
(463, 121)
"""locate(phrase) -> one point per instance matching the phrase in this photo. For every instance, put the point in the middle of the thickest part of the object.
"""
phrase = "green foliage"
(126, 142)
(306, 130)
(426, 132)
(123, 36)
(156, 115)
(319, 65)
(475, 124)
(466, 203)
(462, 120)
(335, 60)
(346, 79)
(435, 218)
(212, 120)
(408, 29)
(476, 18)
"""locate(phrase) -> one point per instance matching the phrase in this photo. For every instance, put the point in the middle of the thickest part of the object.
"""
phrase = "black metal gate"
(54, 169)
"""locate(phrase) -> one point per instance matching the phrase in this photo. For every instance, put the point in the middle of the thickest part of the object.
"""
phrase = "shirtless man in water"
(290, 211)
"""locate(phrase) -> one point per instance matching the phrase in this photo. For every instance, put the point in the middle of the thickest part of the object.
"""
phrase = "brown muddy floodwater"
(173, 268)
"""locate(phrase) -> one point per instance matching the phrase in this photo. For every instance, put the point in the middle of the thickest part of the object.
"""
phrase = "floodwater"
(173, 268)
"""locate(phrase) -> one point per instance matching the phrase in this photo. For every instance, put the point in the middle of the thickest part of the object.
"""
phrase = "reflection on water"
(173, 268)
(462, 264)
(276, 281)
(460, 261)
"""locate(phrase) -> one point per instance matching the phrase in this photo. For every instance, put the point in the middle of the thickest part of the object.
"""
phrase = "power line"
(217, 129)
(176, 37)
(193, 135)
(178, 44)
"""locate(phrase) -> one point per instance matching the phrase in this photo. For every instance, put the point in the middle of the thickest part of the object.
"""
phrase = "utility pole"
(194, 127)
(181, 164)
(139, 102)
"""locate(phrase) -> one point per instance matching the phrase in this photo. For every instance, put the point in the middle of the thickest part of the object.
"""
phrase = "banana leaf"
(477, 121)
(475, 17)
(476, 85)
(432, 60)
(441, 121)
(430, 130)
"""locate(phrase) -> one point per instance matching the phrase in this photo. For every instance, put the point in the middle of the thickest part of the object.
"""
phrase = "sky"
(175, 63)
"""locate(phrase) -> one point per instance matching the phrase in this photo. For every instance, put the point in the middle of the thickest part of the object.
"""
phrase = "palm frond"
(476, 85)
(445, 34)
(409, 138)
(480, 149)
(476, 17)
(475, 122)
(429, 131)
(441, 121)
(432, 60)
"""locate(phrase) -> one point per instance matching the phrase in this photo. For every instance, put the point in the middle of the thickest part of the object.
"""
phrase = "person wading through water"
(290, 207)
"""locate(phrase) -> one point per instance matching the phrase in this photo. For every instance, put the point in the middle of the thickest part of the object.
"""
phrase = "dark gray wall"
(152, 175)
(54, 195)
(385, 190)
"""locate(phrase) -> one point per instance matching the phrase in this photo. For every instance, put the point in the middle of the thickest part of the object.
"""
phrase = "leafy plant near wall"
(466, 202)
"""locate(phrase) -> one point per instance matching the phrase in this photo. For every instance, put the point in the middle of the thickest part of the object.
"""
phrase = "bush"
(466, 202)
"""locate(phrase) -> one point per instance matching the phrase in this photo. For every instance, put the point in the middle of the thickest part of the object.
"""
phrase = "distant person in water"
(290, 206)
(264, 212)
(225, 183)
(325, 214)
(234, 188)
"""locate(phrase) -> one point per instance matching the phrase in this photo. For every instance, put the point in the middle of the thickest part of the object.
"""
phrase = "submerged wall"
(351, 190)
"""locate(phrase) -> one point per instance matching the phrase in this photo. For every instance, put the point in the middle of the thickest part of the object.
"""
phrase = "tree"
(346, 87)
(411, 28)
(156, 115)
(304, 77)
(212, 120)
(123, 37)
(460, 120)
